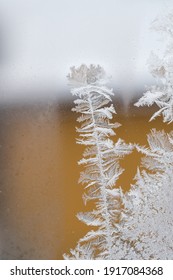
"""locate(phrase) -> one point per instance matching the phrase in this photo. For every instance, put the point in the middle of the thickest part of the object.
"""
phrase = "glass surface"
(40, 40)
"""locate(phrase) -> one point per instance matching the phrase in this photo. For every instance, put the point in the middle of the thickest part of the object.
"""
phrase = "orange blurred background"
(40, 195)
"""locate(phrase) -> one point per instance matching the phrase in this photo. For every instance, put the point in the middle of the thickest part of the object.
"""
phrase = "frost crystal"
(162, 69)
(101, 162)
(147, 221)
(83, 75)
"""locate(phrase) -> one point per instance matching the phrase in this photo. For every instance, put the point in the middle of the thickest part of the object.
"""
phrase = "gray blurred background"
(41, 39)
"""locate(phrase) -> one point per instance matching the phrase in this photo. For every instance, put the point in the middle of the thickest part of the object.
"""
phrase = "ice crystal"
(146, 226)
(162, 70)
(83, 75)
(147, 222)
(100, 160)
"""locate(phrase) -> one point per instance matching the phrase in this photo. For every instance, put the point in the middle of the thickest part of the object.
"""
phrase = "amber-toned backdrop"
(39, 191)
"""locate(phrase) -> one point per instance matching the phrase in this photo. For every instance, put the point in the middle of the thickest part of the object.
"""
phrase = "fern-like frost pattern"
(146, 224)
(100, 161)
(150, 201)
(162, 70)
